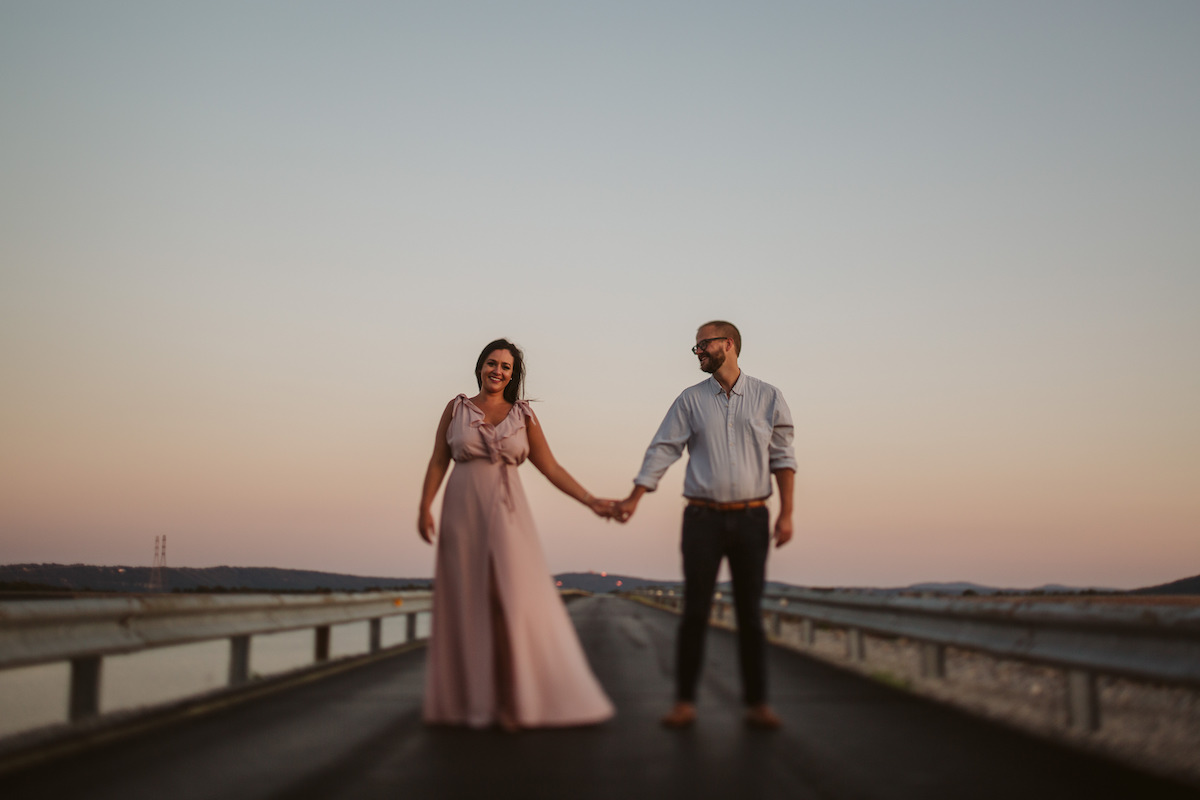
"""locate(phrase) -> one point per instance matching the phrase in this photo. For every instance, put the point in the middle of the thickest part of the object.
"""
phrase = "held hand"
(783, 531)
(625, 509)
(602, 507)
(425, 526)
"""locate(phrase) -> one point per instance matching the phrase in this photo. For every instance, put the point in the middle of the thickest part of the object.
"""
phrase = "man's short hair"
(727, 329)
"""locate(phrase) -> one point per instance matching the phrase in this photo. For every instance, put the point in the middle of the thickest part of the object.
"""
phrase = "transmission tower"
(157, 572)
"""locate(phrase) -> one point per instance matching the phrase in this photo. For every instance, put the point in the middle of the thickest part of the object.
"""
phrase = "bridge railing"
(1155, 643)
(83, 632)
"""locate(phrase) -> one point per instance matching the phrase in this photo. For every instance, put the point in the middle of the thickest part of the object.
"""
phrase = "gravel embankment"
(1156, 728)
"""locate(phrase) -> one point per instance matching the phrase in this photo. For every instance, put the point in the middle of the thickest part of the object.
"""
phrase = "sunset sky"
(248, 250)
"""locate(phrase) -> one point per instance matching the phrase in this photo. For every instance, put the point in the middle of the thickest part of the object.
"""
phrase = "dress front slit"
(501, 653)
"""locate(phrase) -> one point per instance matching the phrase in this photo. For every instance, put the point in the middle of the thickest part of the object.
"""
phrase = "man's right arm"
(665, 449)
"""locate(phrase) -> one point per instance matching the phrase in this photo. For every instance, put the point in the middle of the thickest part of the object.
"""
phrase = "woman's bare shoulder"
(454, 403)
(526, 410)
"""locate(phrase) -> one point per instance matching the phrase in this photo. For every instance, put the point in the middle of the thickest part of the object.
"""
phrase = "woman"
(502, 649)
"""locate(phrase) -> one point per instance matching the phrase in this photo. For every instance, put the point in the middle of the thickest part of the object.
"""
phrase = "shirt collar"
(715, 385)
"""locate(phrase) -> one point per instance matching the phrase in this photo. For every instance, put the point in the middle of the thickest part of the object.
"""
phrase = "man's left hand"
(783, 531)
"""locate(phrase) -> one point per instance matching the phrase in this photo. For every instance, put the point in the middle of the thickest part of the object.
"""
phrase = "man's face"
(712, 356)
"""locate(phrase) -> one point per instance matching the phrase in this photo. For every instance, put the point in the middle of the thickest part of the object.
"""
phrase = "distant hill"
(1181, 586)
(83, 577)
(601, 582)
(955, 587)
(963, 587)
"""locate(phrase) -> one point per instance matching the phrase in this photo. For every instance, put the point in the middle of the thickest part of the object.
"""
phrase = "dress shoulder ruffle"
(520, 415)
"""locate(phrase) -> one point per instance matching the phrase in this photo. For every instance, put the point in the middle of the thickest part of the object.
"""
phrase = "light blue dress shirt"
(734, 443)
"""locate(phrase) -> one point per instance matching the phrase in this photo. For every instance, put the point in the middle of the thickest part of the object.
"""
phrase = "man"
(738, 432)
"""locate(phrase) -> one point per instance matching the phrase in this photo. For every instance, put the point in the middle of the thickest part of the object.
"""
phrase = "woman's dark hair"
(516, 387)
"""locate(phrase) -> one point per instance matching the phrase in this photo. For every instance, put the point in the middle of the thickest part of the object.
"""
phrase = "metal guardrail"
(84, 631)
(1145, 642)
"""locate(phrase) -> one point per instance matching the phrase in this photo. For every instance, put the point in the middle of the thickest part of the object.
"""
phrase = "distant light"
(671, 592)
(783, 601)
(558, 583)
(603, 574)
(618, 583)
(660, 592)
(718, 595)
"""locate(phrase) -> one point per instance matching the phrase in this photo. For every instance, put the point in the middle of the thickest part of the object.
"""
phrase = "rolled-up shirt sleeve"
(781, 454)
(666, 447)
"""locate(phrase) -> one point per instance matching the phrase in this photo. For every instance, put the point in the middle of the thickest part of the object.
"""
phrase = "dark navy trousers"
(744, 538)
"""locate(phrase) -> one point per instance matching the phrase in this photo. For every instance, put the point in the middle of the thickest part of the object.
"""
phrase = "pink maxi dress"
(486, 522)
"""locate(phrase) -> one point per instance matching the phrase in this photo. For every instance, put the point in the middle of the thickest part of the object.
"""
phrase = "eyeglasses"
(702, 345)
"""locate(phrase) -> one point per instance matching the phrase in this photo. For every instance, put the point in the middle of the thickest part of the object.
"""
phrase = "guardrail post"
(856, 649)
(410, 627)
(933, 660)
(808, 632)
(85, 688)
(1083, 701)
(375, 638)
(239, 660)
(776, 624)
(321, 644)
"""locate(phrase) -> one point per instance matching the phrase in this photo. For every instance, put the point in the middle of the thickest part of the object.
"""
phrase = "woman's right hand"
(602, 507)
(425, 526)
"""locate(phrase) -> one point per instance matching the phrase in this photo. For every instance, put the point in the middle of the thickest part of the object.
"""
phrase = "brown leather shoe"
(762, 717)
(683, 715)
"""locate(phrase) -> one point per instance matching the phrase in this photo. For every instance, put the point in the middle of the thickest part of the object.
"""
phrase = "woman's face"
(496, 371)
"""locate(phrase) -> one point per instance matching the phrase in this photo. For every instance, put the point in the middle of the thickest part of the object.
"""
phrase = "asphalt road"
(358, 735)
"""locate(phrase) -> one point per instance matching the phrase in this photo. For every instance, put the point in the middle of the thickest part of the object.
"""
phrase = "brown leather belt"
(740, 505)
